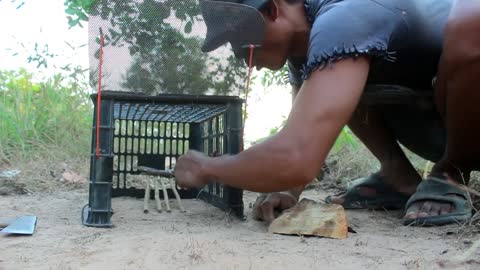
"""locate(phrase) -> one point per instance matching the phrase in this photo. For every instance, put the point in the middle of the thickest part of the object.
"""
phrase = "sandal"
(438, 189)
(386, 196)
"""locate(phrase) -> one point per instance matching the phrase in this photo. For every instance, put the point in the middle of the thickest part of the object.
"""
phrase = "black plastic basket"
(153, 131)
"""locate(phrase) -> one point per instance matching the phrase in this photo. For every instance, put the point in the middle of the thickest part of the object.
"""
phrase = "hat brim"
(238, 24)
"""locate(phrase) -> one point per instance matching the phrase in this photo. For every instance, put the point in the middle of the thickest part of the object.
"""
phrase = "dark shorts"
(412, 117)
(422, 132)
(419, 125)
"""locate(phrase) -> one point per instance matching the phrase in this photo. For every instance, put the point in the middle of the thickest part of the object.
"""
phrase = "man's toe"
(413, 211)
(445, 209)
(435, 211)
(337, 199)
(426, 207)
(423, 214)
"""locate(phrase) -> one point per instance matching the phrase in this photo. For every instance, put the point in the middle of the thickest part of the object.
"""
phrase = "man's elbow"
(303, 168)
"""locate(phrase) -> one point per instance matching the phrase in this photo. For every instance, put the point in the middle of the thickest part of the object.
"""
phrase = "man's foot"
(375, 192)
(438, 201)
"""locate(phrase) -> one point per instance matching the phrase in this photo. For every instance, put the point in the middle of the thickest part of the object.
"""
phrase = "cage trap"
(138, 130)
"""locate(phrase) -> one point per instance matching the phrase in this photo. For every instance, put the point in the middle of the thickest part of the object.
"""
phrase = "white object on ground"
(9, 174)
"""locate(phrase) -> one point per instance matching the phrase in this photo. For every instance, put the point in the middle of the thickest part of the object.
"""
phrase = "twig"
(165, 196)
(399, 250)
(177, 196)
(147, 196)
(157, 195)
(155, 172)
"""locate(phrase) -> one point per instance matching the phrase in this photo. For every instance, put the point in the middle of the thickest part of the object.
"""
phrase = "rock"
(12, 188)
(9, 185)
(310, 218)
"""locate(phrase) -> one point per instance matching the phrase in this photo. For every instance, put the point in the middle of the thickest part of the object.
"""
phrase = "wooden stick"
(174, 189)
(157, 195)
(165, 196)
(147, 196)
(155, 172)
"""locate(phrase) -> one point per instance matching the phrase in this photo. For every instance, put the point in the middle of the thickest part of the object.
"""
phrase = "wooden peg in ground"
(148, 185)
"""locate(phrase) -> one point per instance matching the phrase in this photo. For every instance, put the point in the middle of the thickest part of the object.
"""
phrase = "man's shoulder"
(406, 9)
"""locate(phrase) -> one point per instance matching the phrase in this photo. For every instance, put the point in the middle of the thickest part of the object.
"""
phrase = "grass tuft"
(51, 118)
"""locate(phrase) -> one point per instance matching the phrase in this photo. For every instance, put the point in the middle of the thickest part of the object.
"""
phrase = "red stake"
(99, 96)
(250, 68)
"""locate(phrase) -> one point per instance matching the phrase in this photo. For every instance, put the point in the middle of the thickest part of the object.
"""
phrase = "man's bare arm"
(295, 155)
(297, 191)
(295, 90)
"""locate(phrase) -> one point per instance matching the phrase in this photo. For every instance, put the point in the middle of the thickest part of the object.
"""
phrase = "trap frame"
(153, 131)
(168, 97)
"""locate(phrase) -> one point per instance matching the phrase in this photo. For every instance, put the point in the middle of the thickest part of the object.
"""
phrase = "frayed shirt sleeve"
(351, 29)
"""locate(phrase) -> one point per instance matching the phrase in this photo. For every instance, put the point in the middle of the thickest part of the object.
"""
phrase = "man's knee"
(461, 49)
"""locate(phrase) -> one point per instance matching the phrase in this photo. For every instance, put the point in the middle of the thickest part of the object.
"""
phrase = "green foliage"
(278, 77)
(184, 69)
(166, 54)
(77, 11)
(41, 55)
(345, 139)
(54, 114)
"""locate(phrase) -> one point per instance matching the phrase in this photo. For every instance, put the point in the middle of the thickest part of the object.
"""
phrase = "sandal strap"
(437, 189)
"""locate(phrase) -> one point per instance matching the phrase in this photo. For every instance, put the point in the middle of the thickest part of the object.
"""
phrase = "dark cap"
(236, 21)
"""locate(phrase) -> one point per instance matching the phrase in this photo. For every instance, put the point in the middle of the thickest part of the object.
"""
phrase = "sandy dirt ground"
(207, 238)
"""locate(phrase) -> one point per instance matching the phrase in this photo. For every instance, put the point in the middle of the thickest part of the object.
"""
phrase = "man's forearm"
(295, 155)
(297, 191)
(280, 168)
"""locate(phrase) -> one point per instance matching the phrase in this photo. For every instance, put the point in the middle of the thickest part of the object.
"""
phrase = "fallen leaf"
(73, 178)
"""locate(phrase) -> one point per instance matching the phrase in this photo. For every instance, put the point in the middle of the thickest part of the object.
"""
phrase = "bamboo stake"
(177, 196)
(157, 195)
(147, 196)
(165, 196)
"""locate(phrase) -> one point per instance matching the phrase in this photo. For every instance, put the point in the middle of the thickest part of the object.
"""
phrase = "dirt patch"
(41, 174)
(207, 238)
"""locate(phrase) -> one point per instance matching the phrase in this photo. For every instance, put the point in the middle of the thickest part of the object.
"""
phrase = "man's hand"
(190, 170)
(269, 206)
